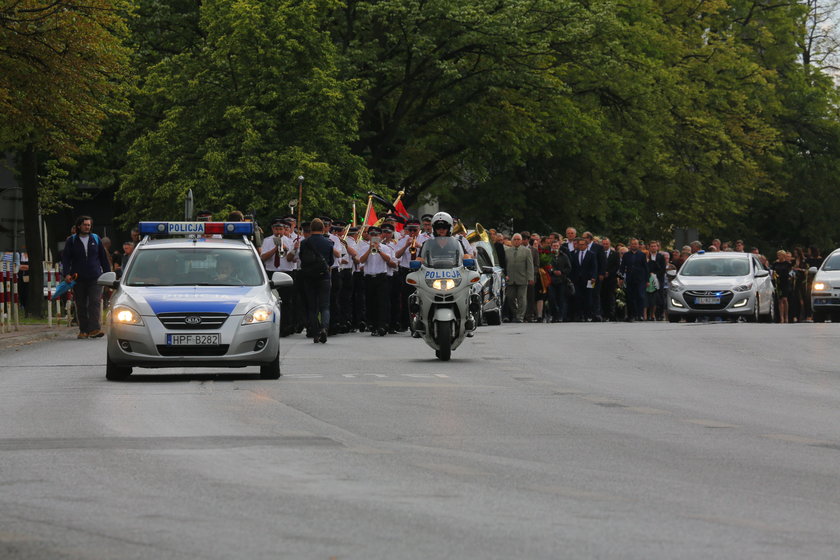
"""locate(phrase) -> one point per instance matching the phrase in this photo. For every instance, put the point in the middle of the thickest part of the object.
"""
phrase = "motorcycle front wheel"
(444, 340)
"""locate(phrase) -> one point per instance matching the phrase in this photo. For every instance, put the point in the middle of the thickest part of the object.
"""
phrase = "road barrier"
(9, 298)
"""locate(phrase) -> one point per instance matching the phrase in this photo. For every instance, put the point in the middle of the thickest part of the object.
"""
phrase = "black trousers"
(608, 287)
(377, 299)
(359, 311)
(404, 290)
(345, 297)
(87, 295)
(335, 294)
(394, 301)
(318, 304)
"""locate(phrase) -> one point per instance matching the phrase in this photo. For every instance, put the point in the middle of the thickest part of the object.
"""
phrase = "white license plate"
(193, 339)
(707, 300)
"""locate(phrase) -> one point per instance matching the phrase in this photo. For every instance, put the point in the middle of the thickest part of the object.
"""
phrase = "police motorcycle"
(444, 306)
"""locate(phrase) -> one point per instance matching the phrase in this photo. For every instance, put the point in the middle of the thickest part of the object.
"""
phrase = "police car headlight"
(443, 283)
(676, 286)
(820, 286)
(259, 314)
(126, 316)
(743, 288)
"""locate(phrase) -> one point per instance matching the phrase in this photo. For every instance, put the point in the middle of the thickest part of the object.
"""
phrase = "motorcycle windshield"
(441, 252)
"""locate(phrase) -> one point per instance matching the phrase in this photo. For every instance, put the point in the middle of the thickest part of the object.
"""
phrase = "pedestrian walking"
(84, 259)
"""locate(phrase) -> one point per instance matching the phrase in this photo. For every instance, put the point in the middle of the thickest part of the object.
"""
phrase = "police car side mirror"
(671, 273)
(487, 270)
(281, 280)
(414, 265)
(761, 273)
(108, 279)
(470, 263)
(812, 270)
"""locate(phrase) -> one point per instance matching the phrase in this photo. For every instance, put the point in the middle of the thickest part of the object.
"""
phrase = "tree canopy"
(620, 117)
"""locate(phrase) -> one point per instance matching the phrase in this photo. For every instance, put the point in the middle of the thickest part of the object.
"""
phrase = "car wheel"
(113, 372)
(770, 313)
(690, 319)
(756, 314)
(819, 316)
(271, 370)
(673, 318)
(835, 316)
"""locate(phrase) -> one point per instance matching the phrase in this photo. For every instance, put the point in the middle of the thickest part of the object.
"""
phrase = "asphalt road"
(536, 441)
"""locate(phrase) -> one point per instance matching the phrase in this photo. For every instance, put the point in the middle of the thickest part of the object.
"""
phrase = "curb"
(13, 341)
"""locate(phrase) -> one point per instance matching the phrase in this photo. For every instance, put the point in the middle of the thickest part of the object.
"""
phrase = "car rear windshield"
(188, 267)
(832, 263)
(715, 267)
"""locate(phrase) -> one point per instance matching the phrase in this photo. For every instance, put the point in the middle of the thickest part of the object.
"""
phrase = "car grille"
(219, 350)
(176, 321)
(725, 298)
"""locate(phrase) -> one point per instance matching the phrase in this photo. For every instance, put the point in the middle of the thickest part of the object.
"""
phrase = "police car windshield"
(441, 252)
(193, 267)
(715, 267)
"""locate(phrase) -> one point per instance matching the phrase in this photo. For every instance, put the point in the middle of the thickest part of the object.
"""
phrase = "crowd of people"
(556, 278)
(352, 279)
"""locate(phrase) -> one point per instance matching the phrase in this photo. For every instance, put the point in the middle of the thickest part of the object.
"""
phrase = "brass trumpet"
(479, 234)
(412, 250)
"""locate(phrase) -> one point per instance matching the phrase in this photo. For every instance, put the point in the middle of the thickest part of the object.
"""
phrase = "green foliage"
(254, 103)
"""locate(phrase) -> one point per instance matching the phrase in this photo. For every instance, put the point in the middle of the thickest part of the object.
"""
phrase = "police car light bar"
(187, 228)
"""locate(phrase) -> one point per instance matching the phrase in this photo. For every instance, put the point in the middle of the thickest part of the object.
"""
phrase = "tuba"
(479, 234)
(459, 228)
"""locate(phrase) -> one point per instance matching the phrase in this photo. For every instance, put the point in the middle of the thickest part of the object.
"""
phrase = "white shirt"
(406, 256)
(345, 261)
(376, 264)
(361, 249)
(336, 245)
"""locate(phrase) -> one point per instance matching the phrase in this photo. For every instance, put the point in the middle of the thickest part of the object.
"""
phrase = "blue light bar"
(188, 228)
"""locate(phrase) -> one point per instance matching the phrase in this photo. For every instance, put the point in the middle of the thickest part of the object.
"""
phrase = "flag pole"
(300, 201)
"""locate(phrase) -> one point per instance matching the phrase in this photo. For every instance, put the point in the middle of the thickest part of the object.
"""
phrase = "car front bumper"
(145, 345)
(731, 304)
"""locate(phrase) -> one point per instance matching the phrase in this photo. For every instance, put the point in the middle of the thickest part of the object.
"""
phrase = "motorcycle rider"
(442, 224)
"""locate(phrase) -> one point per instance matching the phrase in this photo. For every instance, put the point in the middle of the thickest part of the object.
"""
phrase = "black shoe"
(382, 332)
(374, 333)
(362, 326)
(316, 339)
(322, 338)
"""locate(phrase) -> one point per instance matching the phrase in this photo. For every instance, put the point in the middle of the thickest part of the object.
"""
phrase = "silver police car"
(204, 300)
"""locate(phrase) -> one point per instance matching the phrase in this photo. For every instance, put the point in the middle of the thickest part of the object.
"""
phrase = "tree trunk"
(32, 231)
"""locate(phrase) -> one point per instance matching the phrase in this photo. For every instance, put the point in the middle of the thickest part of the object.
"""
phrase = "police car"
(194, 294)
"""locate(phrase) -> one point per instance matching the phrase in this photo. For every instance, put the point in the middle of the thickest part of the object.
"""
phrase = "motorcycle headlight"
(126, 316)
(259, 314)
(819, 286)
(743, 288)
(443, 283)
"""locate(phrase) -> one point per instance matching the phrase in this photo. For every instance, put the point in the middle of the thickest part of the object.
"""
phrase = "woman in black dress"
(782, 269)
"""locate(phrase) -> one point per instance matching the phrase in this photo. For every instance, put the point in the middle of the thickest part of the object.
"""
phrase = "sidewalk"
(31, 334)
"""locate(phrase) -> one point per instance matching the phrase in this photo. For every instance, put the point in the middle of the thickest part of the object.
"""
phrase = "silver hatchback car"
(201, 301)
(721, 285)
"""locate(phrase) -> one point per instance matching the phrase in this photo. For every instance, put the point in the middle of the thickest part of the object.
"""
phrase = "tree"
(61, 68)
(256, 101)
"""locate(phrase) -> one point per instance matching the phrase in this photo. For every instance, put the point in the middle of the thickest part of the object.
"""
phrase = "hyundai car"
(728, 285)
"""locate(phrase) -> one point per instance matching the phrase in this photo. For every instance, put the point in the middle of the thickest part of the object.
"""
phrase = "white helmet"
(438, 221)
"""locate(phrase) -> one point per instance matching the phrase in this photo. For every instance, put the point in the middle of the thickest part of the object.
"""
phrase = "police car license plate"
(193, 339)
(707, 300)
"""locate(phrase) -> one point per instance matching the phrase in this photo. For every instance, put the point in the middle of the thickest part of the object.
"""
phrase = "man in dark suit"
(600, 259)
(656, 265)
(634, 268)
(584, 275)
(610, 283)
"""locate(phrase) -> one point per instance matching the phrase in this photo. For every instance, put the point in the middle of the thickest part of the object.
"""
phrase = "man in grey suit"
(520, 274)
